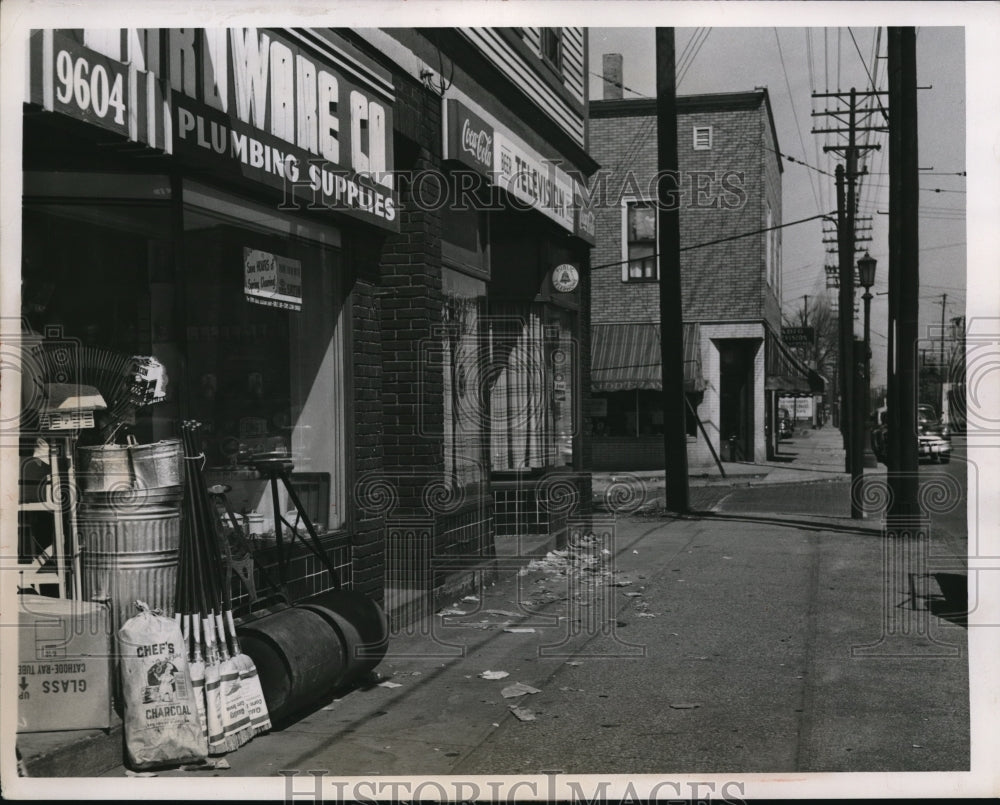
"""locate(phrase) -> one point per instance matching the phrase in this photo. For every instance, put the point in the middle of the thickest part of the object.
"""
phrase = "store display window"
(466, 406)
(533, 364)
(264, 350)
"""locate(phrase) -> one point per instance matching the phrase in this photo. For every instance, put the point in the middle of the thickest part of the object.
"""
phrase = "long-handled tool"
(250, 685)
(198, 601)
(358, 620)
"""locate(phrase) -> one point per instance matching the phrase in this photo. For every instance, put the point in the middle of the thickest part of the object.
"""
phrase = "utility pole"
(904, 266)
(671, 316)
(940, 406)
(846, 177)
(805, 310)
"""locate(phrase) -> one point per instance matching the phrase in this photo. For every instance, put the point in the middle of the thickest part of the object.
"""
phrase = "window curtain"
(531, 400)
(465, 413)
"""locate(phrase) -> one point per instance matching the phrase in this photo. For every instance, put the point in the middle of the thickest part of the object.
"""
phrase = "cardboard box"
(64, 665)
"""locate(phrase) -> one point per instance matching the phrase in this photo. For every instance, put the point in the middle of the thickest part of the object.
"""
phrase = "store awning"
(627, 356)
(784, 371)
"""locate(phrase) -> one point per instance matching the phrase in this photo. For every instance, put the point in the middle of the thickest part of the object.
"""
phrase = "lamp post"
(866, 278)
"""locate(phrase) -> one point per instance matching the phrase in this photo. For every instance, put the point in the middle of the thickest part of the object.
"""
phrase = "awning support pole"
(704, 434)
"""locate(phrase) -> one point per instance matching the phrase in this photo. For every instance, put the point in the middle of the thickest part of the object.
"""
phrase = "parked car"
(785, 429)
(931, 445)
(929, 422)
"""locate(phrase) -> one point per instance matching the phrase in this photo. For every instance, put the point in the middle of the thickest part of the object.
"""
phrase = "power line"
(620, 84)
(693, 55)
(878, 100)
(795, 114)
(714, 242)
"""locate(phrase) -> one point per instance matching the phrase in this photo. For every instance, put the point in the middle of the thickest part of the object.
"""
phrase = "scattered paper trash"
(452, 611)
(518, 689)
(494, 674)
(522, 714)
(503, 613)
(389, 685)
(471, 598)
(130, 773)
(519, 629)
(645, 614)
(633, 595)
(494, 724)
(574, 662)
(635, 552)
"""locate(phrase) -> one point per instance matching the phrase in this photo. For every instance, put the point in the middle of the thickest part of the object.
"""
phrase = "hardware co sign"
(249, 104)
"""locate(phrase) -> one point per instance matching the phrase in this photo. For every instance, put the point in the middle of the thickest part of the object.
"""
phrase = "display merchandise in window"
(264, 357)
(533, 367)
(466, 404)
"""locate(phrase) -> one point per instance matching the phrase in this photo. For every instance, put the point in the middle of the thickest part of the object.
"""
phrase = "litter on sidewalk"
(494, 675)
(522, 714)
(518, 689)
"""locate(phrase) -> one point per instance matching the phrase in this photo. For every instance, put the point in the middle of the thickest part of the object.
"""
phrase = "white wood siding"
(527, 75)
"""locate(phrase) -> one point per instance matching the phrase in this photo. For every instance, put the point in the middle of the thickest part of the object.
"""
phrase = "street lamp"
(866, 278)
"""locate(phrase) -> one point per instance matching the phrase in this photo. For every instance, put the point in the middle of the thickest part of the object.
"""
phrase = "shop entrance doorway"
(736, 409)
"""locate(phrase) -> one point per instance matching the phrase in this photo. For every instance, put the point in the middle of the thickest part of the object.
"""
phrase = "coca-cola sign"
(478, 142)
(470, 138)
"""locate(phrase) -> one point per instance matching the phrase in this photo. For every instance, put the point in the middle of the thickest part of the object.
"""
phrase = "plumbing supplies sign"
(271, 280)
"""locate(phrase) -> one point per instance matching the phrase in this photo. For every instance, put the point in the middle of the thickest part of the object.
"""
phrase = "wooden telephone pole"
(671, 317)
(904, 266)
(852, 119)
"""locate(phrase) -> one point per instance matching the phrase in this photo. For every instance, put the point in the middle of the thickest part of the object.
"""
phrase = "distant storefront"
(735, 364)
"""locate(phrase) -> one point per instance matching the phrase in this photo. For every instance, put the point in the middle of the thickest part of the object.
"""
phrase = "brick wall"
(726, 280)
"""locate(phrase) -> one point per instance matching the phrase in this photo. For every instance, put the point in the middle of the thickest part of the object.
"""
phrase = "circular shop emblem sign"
(565, 278)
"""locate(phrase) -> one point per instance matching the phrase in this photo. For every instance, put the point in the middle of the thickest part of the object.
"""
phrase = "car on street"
(932, 446)
(929, 422)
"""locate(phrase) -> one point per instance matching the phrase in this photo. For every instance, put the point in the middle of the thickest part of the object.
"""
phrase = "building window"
(532, 377)
(265, 371)
(552, 47)
(466, 415)
(639, 239)
(702, 138)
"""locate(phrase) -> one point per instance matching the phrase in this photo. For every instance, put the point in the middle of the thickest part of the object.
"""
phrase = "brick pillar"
(410, 276)
(368, 525)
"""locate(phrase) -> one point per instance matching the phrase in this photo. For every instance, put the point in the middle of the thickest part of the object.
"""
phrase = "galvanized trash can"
(129, 525)
(129, 553)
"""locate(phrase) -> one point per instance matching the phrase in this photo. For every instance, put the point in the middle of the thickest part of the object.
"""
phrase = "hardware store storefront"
(217, 200)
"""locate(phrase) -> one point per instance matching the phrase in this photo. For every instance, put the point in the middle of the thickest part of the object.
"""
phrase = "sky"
(794, 63)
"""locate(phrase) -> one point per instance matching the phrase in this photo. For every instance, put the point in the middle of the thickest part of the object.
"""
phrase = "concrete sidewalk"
(810, 455)
(699, 645)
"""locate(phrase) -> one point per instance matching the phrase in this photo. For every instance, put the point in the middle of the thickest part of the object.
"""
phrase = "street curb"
(87, 753)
